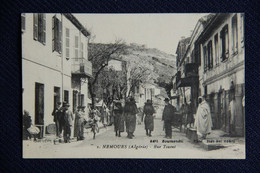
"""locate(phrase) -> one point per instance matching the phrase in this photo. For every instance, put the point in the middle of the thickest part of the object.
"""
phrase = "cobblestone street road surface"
(107, 145)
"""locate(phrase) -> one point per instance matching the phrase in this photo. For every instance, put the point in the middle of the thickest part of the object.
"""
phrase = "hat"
(200, 97)
(59, 103)
(82, 107)
(166, 100)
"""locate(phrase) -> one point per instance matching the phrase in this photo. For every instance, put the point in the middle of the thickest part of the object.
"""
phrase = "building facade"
(212, 64)
(54, 65)
(223, 72)
(188, 64)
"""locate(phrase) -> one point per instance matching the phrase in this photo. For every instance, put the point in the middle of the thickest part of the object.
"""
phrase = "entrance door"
(39, 108)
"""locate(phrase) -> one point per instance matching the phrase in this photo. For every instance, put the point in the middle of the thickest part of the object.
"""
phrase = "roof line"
(77, 23)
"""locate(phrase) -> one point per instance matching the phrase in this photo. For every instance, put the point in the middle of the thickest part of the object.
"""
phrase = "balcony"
(191, 77)
(81, 67)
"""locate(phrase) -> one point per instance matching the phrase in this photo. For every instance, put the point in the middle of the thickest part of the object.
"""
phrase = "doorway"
(39, 108)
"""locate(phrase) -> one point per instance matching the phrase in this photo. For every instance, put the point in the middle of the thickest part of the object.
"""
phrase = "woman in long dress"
(118, 119)
(130, 111)
(149, 118)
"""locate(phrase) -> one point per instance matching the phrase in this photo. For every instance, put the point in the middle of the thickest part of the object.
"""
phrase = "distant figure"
(139, 116)
(68, 117)
(105, 115)
(233, 114)
(167, 117)
(57, 115)
(79, 123)
(118, 119)
(203, 121)
(130, 113)
(149, 118)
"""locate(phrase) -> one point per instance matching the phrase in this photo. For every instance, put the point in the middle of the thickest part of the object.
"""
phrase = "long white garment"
(203, 121)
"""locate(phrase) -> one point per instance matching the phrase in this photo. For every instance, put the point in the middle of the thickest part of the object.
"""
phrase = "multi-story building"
(222, 55)
(188, 63)
(54, 64)
(212, 64)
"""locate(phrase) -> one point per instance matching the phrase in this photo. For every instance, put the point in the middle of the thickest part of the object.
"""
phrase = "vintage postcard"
(133, 85)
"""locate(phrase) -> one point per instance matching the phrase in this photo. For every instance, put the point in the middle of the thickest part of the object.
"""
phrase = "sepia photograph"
(140, 85)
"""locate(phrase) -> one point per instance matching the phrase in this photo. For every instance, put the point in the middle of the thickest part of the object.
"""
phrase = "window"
(210, 56)
(216, 49)
(76, 48)
(23, 22)
(205, 58)
(56, 34)
(67, 43)
(234, 34)
(66, 96)
(197, 55)
(224, 42)
(81, 99)
(39, 27)
(81, 50)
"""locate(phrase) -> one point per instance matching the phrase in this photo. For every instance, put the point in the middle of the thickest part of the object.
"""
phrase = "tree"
(139, 72)
(99, 55)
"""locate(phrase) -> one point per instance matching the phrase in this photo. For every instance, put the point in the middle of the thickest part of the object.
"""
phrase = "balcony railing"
(81, 67)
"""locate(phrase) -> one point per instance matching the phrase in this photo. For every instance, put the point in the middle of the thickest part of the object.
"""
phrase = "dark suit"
(168, 114)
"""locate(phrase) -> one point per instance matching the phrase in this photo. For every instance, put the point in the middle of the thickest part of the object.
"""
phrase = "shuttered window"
(205, 57)
(210, 55)
(39, 27)
(81, 50)
(234, 34)
(216, 49)
(76, 45)
(56, 34)
(67, 43)
(224, 42)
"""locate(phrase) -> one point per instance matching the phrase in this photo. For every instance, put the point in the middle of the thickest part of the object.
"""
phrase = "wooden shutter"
(60, 36)
(35, 26)
(44, 28)
(40, 27)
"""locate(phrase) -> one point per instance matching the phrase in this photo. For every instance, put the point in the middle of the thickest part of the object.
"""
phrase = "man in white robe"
(203, 120)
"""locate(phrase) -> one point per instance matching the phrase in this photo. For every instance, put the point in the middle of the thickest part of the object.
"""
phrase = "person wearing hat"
(203, 121)
(68, 117)
(167, 117)
(149, 118)
(130, 111)
(57, 114)
(79, 123)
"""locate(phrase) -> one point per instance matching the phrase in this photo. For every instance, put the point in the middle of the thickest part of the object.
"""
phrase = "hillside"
(163, 63)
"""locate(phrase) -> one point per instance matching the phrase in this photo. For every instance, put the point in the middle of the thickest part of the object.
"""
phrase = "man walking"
(167, 117)
(203, 121)
(68, 117)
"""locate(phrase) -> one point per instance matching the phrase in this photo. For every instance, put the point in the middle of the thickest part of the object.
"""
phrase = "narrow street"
(107, 145)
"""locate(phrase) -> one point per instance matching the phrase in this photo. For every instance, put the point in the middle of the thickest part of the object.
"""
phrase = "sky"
(161, 31)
